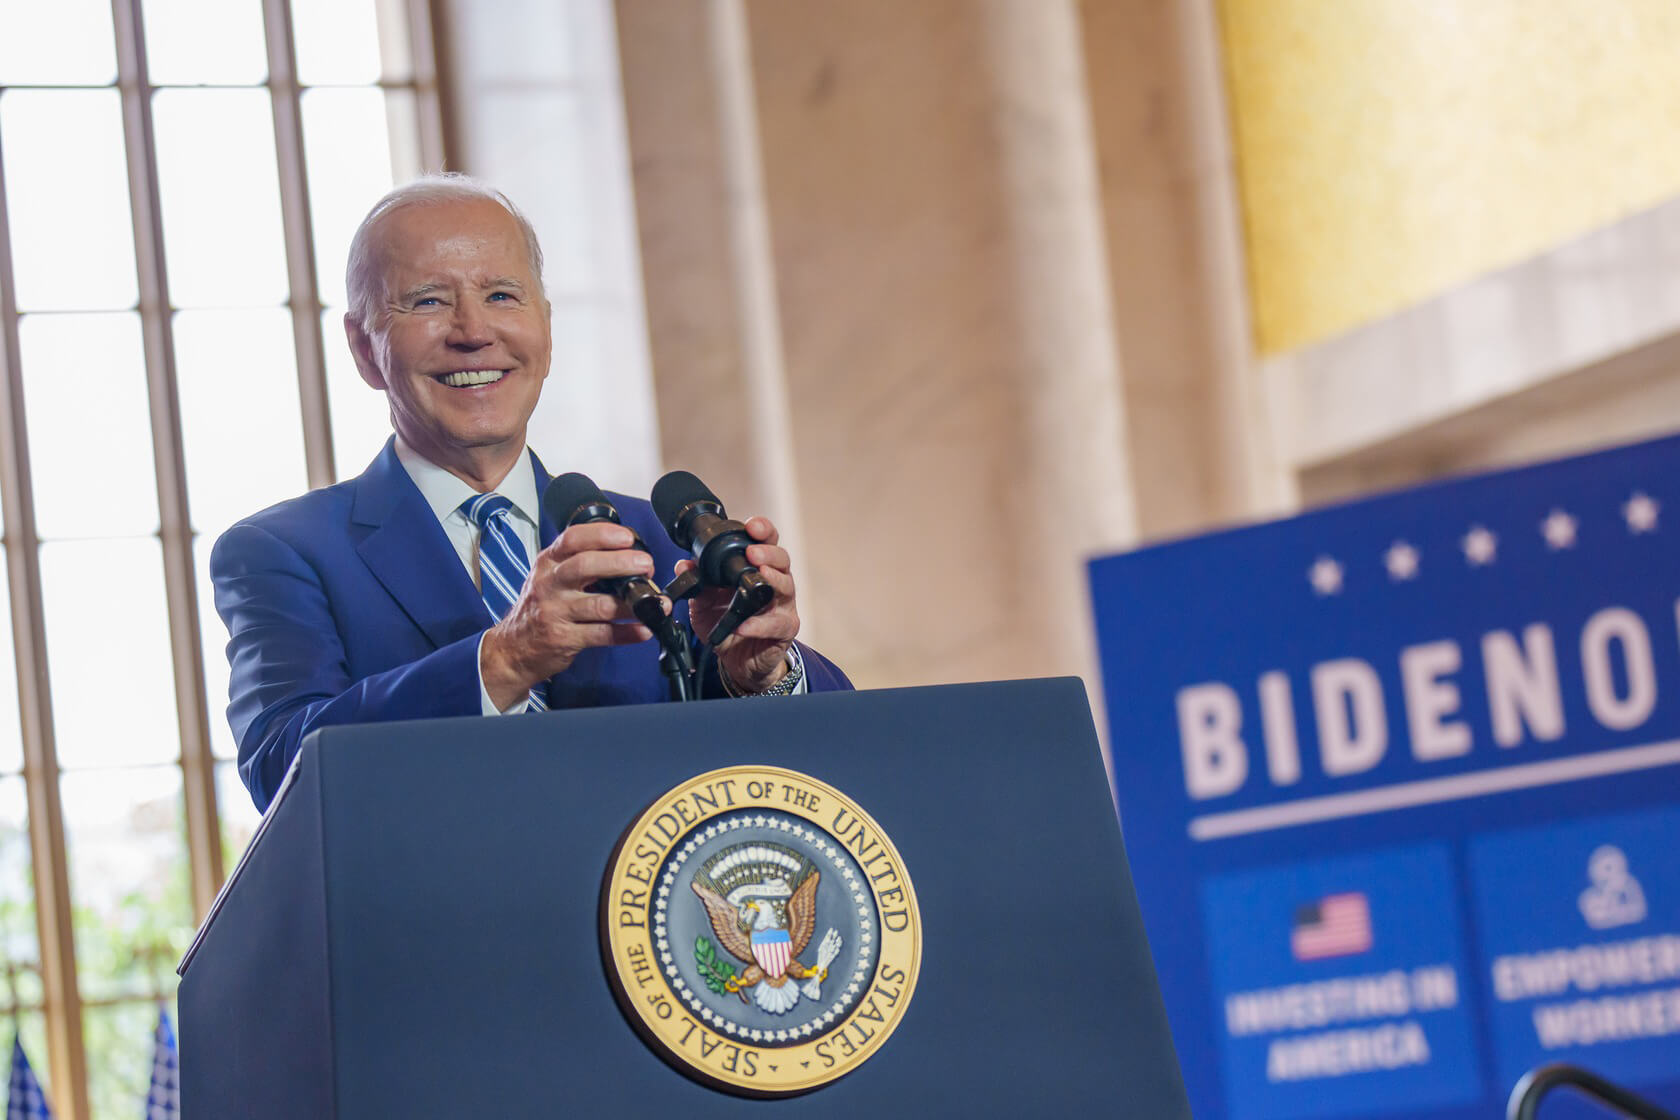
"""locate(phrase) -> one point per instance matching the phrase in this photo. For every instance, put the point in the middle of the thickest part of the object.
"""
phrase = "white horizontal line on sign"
(1310, 810)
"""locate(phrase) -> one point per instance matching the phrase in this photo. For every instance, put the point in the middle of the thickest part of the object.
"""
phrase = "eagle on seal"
(766, 922)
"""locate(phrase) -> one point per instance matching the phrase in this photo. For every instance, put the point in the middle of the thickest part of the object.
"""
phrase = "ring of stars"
(845, 873)
(1560, 529)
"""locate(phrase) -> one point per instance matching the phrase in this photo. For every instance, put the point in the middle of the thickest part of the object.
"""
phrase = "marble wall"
(1200, 429)
(1395, 149)
(936, 252)
(1573, 349)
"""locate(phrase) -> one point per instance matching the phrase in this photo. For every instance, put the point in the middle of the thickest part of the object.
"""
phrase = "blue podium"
(417, 929)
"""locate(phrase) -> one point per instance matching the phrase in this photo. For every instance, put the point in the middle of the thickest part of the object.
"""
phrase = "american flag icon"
(1337, 925)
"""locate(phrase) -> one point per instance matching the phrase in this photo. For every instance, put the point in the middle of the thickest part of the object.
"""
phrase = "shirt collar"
(444, 493)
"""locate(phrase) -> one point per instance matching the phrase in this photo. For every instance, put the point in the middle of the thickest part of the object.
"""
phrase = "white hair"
(362, 282)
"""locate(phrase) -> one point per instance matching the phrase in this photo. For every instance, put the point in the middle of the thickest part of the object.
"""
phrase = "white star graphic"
(1325, 576)
(1559, 530)
(1401, 559)
(1641, 512)
(1480, 545)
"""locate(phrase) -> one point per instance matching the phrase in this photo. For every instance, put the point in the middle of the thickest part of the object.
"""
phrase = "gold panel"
(1389, 150)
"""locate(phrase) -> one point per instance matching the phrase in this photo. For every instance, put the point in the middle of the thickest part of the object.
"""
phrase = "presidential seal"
(760, 931)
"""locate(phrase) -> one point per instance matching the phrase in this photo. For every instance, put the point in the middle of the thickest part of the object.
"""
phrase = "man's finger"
(591, 536)
(611, 633)
(585, 568)
(769, 556)
(769, 626)
(762, 530)
(779, 579)
(590, 607)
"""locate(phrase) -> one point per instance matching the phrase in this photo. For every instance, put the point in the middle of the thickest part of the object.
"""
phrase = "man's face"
(460, 338)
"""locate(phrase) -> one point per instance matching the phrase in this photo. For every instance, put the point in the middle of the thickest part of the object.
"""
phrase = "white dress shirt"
(444, 493)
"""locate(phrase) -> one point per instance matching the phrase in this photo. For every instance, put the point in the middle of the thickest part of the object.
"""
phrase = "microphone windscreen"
(569, 493)
(676, 492)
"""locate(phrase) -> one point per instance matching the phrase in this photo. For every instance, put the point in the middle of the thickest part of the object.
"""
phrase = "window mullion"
(175, 523)
(428, 69)
(300, 243)
(54, 928)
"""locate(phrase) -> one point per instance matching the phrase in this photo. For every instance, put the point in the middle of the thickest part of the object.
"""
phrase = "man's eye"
(427, 301)
(501, 295)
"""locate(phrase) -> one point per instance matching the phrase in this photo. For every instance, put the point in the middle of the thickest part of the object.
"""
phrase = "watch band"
(784, 687)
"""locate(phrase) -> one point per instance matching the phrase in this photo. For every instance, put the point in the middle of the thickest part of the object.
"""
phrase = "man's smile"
(470, 378)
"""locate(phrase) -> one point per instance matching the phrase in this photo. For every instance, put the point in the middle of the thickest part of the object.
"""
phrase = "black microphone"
(697, 523)
(573, 499)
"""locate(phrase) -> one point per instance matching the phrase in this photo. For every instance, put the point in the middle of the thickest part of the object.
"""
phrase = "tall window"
(179, 180)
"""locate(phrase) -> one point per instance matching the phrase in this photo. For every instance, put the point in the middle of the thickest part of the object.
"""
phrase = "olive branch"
(716, 973)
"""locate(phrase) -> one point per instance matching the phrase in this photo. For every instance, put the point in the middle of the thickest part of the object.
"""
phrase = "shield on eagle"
(772, 949)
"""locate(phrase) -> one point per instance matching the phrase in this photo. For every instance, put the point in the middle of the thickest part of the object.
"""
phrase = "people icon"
(1615, 897)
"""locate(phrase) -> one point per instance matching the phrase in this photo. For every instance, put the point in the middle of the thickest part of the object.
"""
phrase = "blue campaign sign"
(1324, 968)
(1399, 781)
(1581, 942)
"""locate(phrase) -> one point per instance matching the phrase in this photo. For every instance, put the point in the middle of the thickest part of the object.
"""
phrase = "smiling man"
(431, 584)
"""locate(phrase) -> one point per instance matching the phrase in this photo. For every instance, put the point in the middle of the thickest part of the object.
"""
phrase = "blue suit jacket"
(349, 605)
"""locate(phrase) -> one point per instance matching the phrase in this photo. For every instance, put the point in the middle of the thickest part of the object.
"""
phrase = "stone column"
(1202, 429)
(953, 399)
(713, 321)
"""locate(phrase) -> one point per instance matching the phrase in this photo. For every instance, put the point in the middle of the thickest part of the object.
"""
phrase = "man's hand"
(755, 656)
(555, 619)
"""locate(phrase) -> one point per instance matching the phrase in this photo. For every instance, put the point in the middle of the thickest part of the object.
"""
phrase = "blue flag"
(24, 1099)
(163, 1101)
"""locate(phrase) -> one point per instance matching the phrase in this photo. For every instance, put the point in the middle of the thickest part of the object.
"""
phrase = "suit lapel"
(408, 553)
(547, 531)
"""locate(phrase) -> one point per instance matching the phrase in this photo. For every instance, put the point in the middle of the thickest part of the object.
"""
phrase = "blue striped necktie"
(502, 564)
